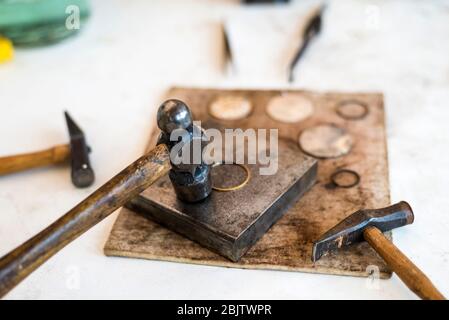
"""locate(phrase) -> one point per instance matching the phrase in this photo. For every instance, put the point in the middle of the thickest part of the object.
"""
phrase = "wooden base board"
(288, 244)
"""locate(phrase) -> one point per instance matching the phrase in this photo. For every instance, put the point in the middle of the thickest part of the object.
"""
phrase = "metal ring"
(351, 172)
(357, 102)
(240, 185)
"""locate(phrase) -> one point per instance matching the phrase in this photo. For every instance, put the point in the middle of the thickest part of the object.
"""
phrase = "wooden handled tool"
(311, 30)
(368, 225)
(77, 151)
(412, 276)
(19, 263)
(26, 161)
(172, 115)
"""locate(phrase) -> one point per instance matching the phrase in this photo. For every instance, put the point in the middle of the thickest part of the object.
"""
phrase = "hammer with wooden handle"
(77, 151)
(368, 225)
(19, 263)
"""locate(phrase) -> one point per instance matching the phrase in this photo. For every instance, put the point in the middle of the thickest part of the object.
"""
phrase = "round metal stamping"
(229, 177)
(289, 108)
(352, 109)
(325, 141)
(230, 108)
(345, 178)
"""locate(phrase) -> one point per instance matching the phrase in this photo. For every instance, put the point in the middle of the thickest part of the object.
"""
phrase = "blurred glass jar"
(40, 22)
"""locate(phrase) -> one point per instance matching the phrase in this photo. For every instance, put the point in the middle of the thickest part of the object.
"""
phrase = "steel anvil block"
(229, 223)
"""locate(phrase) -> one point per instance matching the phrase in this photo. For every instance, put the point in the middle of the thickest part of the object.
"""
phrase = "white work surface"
(113, 76)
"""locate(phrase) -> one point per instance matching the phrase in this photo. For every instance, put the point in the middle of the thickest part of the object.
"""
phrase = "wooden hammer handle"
(410, 274)
(19, 263)
(35, 159)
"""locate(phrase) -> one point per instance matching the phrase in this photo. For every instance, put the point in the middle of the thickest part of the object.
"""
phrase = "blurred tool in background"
(77, 151)
(41, 22)
(6, 50)
(228, 63)
(311, 30)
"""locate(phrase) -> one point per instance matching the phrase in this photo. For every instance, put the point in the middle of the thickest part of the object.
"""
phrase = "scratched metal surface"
(288, 244)
(231, 222)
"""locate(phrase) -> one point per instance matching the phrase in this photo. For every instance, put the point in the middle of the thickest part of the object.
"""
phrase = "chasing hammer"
(77, 151)
(368, 225)
(173, 114)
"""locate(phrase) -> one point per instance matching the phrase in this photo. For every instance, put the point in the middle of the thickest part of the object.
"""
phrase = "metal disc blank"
(230, 108)
(352, 110)
(325, 141)
(289, 108)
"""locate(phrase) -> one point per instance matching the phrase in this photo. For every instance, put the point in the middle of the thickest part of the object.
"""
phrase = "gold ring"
(248, 175)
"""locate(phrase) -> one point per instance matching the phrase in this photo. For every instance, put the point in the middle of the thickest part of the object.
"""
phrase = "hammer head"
(191, 179)
(350, 230)
(173, 114)
(82, 173)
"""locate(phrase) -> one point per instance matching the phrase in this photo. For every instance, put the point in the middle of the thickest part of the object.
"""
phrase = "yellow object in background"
(6, 50)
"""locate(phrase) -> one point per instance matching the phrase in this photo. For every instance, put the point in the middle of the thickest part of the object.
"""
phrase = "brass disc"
(230, 108)
(325, 141)
(290, 108)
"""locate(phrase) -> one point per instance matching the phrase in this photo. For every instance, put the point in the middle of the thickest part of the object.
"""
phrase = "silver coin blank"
(325, 141)
(352, 110)
(230, 108)
(290, 108)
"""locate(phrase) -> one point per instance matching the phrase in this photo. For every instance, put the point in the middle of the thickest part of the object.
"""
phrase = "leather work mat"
(288, 244)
